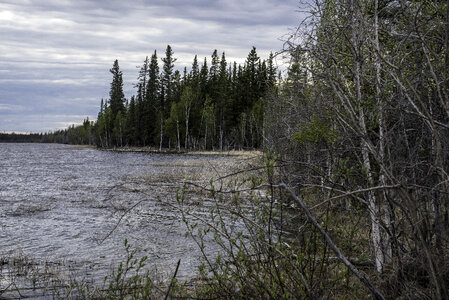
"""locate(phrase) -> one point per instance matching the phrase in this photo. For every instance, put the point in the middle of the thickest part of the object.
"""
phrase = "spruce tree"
(271, 71)
(140, 116)
(221, 88)
(152, 103)
(195, 69)
(131, 124)
(143, 77)
(252, 66)
(167, 78)
(204, 77)
(116, 95)
(166, 95)
(214, 67)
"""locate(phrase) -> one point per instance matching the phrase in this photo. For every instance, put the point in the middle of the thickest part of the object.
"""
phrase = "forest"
(362, 128)
(356, 136)
(356, 141)
(219, 107)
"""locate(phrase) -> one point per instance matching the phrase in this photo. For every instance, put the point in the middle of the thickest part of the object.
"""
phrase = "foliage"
(128, 281)
(28, 278)
(315, 132)
(367, 100)
(256, 244)
(220, 107)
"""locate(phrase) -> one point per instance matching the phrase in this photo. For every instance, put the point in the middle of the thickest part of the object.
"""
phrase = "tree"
(166, 95)
(143, 77)
(271, 72)
(208, 117)
(152, 103)
(172, 124)
(119, 129)
(116, 95)
(365, 94)
(187, 99)
(131, 123)
(167, 77)
(251, 67)
(222, 98)
(139, 115)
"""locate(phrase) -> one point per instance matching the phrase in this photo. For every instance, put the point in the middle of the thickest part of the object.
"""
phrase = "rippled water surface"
(58, 203)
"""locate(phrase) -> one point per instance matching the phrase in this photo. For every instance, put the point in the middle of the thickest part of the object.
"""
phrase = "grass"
(24, 277)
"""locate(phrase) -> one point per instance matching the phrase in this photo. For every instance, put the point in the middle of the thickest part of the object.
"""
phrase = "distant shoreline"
(147, 149)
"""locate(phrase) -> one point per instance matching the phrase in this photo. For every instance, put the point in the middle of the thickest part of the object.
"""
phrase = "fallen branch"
(376, 293)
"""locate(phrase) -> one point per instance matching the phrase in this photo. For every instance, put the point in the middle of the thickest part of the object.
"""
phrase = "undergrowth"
(22, 277)
(267, 247)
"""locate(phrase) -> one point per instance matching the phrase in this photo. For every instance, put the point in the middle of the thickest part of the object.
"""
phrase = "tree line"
(21, 138)
(77, 135)
(216, 106)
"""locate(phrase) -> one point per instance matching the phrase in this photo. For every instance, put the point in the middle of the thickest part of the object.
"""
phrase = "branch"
(382, 187)
(232, 191)
(173, 280)
(120, 219)
(361, 276)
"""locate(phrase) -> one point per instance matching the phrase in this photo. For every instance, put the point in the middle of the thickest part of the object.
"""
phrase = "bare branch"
(376, 293)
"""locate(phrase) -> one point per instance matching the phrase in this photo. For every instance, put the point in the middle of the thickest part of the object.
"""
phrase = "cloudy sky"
(55, 55)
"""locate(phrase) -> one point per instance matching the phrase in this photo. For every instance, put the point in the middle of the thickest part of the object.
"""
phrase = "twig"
(239, 172)
(172, 280)
(382, 187)
(233, 191)
(120, 219)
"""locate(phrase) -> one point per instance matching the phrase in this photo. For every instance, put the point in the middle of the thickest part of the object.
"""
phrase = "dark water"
(58, 203)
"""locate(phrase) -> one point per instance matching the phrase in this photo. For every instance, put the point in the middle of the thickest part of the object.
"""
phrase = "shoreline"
(154, 150)
(183, 152)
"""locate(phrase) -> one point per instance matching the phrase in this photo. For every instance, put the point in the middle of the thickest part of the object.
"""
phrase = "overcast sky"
(55, 55)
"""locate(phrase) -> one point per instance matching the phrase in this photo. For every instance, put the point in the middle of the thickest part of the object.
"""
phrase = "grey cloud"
(56, 53)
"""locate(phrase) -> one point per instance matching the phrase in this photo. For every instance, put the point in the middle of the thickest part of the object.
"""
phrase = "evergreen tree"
(116, 95)
(152, 103)
(166, 96)
(197, 104)
(271, 71)
(139, 116)
(214, 66)
(221, 88)
(204, 77)
(131, 124)
(252, 66)
(143, 77)
(167, 78)
(195, 69)
(101, 126)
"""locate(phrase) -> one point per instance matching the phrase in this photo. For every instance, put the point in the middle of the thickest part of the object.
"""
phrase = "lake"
(61, 204)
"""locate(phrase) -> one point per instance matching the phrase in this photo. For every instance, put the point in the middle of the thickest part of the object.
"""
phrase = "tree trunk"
(187, 125)
(162, 133)
(179, 139)
(373, 209)
(387, 252)
(205, 138)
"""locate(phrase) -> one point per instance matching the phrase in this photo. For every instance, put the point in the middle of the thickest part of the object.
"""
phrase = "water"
(59, 203)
